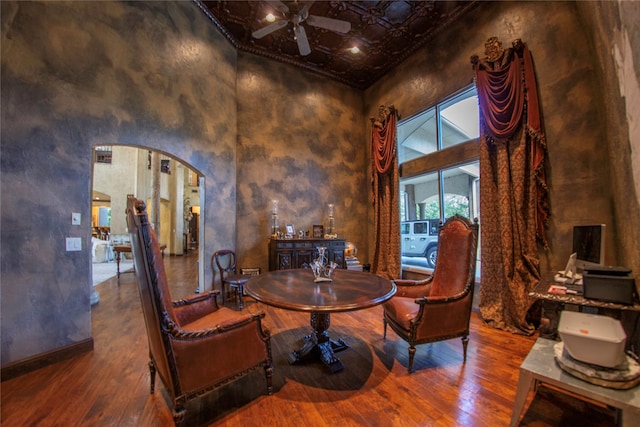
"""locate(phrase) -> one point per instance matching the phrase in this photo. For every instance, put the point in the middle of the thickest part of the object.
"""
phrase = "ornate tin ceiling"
(386, 32)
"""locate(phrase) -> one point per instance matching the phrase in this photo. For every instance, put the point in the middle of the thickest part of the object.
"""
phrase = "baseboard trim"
(21, 367)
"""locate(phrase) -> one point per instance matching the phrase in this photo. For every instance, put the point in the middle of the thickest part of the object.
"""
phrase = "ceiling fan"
(297, 13)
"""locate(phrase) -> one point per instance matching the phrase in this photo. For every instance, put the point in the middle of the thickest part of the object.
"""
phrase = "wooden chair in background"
(225, 261)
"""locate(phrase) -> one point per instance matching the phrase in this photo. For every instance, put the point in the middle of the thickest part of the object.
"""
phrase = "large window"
(439, 173)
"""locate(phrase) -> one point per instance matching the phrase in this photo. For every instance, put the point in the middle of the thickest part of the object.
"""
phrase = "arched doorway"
(172, 189)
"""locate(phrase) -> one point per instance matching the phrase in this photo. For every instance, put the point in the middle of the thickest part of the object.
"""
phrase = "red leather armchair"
(439, 307)
(194, 345)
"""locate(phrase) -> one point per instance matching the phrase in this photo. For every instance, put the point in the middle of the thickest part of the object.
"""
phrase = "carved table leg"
(320, 344)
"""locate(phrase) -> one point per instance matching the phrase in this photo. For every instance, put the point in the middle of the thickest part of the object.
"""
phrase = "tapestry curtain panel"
(513, 191)
(385, 188)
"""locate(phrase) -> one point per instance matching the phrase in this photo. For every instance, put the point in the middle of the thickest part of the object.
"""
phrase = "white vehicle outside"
(420, 239)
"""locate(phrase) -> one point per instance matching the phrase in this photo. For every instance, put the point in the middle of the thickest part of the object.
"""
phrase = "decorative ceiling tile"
(386, 32)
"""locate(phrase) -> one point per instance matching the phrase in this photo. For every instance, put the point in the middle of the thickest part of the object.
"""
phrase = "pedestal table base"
(319, 344)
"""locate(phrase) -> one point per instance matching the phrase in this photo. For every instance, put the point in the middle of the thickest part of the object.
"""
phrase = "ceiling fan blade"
(278, 5)
(258, 34)
(329, 23)
(301, 39)
(304, 12)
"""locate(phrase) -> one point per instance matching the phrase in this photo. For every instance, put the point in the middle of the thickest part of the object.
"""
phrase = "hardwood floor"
(110, 386)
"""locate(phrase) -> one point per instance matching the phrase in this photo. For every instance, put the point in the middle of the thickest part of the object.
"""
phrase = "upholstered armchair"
(194, 345)
(439, 307)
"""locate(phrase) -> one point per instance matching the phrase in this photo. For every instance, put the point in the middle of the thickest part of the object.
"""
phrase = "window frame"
(440, 160)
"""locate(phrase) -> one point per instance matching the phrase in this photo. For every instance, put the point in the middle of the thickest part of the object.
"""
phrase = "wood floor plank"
(110, 385)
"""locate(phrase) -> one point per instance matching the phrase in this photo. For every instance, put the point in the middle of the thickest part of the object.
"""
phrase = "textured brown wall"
(300, 141)
(616, 40)
(572, 105)
(79, 74)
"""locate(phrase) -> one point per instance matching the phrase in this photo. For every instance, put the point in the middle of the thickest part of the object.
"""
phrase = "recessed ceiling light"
(270, 18)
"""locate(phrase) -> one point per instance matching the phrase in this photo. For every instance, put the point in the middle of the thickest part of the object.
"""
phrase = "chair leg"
(412, 353)
(152, 375)
(179, 410)
(268, 372)
(228, 292)
(240, 290)
(465, 342)
(384, 325)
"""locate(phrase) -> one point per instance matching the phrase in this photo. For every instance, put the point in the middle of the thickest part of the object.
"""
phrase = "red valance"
(502, 94)
(383, 139)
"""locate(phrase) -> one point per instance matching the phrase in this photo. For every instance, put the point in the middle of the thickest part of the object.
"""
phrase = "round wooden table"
(296, 290)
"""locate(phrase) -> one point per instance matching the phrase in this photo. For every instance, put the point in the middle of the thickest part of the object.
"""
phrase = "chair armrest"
(195, 298)
(444, 299)
(409, 282)
(195, 329)
(241, 321)
(413, 288)
(195, 306)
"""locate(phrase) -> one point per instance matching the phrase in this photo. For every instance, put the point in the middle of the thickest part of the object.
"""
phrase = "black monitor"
(588, 244)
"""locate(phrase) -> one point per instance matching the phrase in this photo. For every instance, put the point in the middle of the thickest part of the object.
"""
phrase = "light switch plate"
(75, 218)
(73, 244)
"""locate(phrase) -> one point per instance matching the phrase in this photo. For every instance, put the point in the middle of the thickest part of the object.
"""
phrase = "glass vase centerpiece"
(321, 268)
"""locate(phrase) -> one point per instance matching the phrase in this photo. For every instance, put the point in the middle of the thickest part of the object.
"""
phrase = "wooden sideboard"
(285, 254)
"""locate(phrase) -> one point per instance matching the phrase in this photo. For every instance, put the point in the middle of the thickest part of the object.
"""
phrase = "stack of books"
(353, 263)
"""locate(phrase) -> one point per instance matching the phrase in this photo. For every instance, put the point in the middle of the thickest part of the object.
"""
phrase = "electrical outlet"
(75, 218)
(73, 244)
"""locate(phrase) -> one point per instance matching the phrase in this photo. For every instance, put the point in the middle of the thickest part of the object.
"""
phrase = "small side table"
(540, 367)
(118, 249)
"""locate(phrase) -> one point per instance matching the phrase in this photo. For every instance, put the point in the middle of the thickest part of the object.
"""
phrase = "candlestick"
(331, 224)
(274, 219)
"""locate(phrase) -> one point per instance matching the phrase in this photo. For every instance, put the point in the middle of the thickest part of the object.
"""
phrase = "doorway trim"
(201, 285)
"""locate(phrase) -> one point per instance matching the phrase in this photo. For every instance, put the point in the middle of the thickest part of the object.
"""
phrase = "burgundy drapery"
(383, 144)
(513, 199)
(502, 95)
(385, 187)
